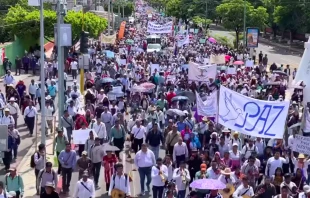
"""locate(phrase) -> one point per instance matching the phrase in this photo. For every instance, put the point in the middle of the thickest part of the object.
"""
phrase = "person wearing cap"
(266, 189)
(14, 109)
(59, 144)
(7, 119)
(29, 116)
(301, 162)
(226, 176)
(84, 187)
(84, 163)
(243, 189)
(108, 162)
(202, 173)
(14, 182)
(45, 176)
(67, 159)
(96, 154)
(49, 191)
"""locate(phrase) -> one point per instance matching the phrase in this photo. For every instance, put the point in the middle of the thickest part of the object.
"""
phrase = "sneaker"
(142, 193)
(148, 189)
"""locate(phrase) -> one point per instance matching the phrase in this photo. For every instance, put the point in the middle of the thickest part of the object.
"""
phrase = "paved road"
(275, 54)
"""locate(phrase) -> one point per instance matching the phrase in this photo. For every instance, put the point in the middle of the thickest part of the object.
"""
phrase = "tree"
(128, 7)
(232, 14)
(24, 23)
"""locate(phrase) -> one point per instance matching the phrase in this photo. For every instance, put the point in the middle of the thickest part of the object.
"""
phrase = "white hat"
(306, 189)
(12, 99)
(7, 109)
(48, 97)
(11, 194)
(235, 144)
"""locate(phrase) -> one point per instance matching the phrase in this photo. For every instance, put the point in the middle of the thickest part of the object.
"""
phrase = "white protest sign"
(249, 63)
(207, 107)
(154, 68)
(206, 61)
(159, 29)
(217, 59)
(257, 118)
(184, 41)
(201, 73)
(80, 136)
(231, 70)
(123, 61)
(301, 144)
(171, 78)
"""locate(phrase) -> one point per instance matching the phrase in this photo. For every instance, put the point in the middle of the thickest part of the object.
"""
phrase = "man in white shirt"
(32, 89)
(137, 134)
(244, 189)
(180, 152)
(49, 109)
(7, 119)
(182, 177)
(84, 187)
(8, 79)
(74, 68)
(145, 160)
(14, 109)
(249, 148)
(29, 116)
(275, 162)
(119, 181)
(159, 176)
(100, 130)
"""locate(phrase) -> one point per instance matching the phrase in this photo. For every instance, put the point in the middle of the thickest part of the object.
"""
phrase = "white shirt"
(81, 191)
(178, 176)
(260, 147)
(30, 112)
(33, 88)
(247, 150)
(273, 164)
(230, 180)
(212, 174)
(156, 178)
(256, 163)
(180, 150)
(77, 93)
(234, 156)
(74, 65)
(72, 110)
(290, 141)
(100, 129)
(49, 112)
(2, 194)
(8, 79)
(14, 108)
(138, 133)
(145, 159)
(7, 120)
(120, 183)
(241, 191)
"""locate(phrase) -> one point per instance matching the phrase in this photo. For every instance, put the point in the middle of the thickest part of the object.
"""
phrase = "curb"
(289, 48)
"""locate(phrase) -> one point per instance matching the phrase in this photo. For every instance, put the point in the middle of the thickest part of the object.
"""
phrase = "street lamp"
(244, 27)
(42, 74)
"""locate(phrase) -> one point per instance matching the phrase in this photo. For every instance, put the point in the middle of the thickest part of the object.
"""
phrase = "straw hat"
(205, 118)
(301, 156)
(226, 171)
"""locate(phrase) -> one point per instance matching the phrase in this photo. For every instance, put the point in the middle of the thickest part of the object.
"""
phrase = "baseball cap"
(203, 167)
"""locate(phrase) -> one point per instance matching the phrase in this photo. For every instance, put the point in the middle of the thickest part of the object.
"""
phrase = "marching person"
(159, 178)
(96, 154)
(84, 164)
(145, 160)
(84, 187)
(14, 134)
(172, 139)
(244, 189)
(100, 130)
(68, 123)
(49, 191)
(182, 177)
(138, 132)
(153, 138)
(7, 119)
(14, 109)
(59, 145)
(39, 158)
(180, 152)
(45, 176)
(119, 181)
(14, 182)
(226, 177)
(29, 116)
(118, 135)
(67, 159)
(108, 162)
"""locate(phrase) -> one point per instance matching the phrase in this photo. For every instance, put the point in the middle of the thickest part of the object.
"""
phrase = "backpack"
(6, 179)
(32, 163)
(43, 170)
(126, 176)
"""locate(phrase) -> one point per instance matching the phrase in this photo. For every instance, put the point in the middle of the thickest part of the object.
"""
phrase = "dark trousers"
(42, 190)
(66, 178)
(59, 164)
(179, 159)
(17, 70)
(26, 67)
(32, 97)
(69, 134)
(74, 73)
(137, 143)
(107, 186)
(7, 159)
(119, 143)
(170, 150)
(96, 171)
(158, 191)
(30, 123)
(39, 101)
(81, 149)
(36, 173)
(15, 148)
(145, 172)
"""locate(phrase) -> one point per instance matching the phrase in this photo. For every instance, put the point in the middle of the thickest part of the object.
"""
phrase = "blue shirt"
(181, 126)
(67, 159)
(52, 90)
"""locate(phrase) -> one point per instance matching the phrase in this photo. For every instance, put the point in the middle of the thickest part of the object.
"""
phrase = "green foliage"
(199, 20)
(128, 7)
(223, 40)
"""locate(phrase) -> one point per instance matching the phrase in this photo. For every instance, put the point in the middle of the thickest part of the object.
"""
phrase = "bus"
(153, 39)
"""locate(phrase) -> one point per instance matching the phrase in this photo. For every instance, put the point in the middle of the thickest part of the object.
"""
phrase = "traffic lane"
(128, 167)
(275, 54)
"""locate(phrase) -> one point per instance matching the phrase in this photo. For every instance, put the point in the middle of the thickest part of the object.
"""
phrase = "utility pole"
(119, 13)
(206, 15)
(123, 10)
(109, 19)
(113, 19)
(244, 28)
(60, 60)
(42, 74)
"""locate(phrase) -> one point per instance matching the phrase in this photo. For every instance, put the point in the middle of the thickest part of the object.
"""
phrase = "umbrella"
(178, 98)
(130, 41)
(238, 63)
(137, 88)
(280, 73)
(108, 147)
(227, 58)
(107, 80)
(173, 112)
(191, 96)
(212, 40)
(148, 85)
(208, 184)
(273, 83)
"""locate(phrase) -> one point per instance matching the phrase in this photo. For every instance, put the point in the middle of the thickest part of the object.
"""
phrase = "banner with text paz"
(257, 118)
(252, 35)
(108, 39)
(121, 31)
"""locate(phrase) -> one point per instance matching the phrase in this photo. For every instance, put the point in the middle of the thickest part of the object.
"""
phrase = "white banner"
(207, 107)
(201, 73)
(231, 70)
(183, 41)
(301, 144)
(154, 28)
(250, 116)
(217, 59)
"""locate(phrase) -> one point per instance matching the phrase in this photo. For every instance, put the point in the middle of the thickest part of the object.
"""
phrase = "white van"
(131, 20)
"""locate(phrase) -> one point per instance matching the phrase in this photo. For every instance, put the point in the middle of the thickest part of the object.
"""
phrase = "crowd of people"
(131, 106)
